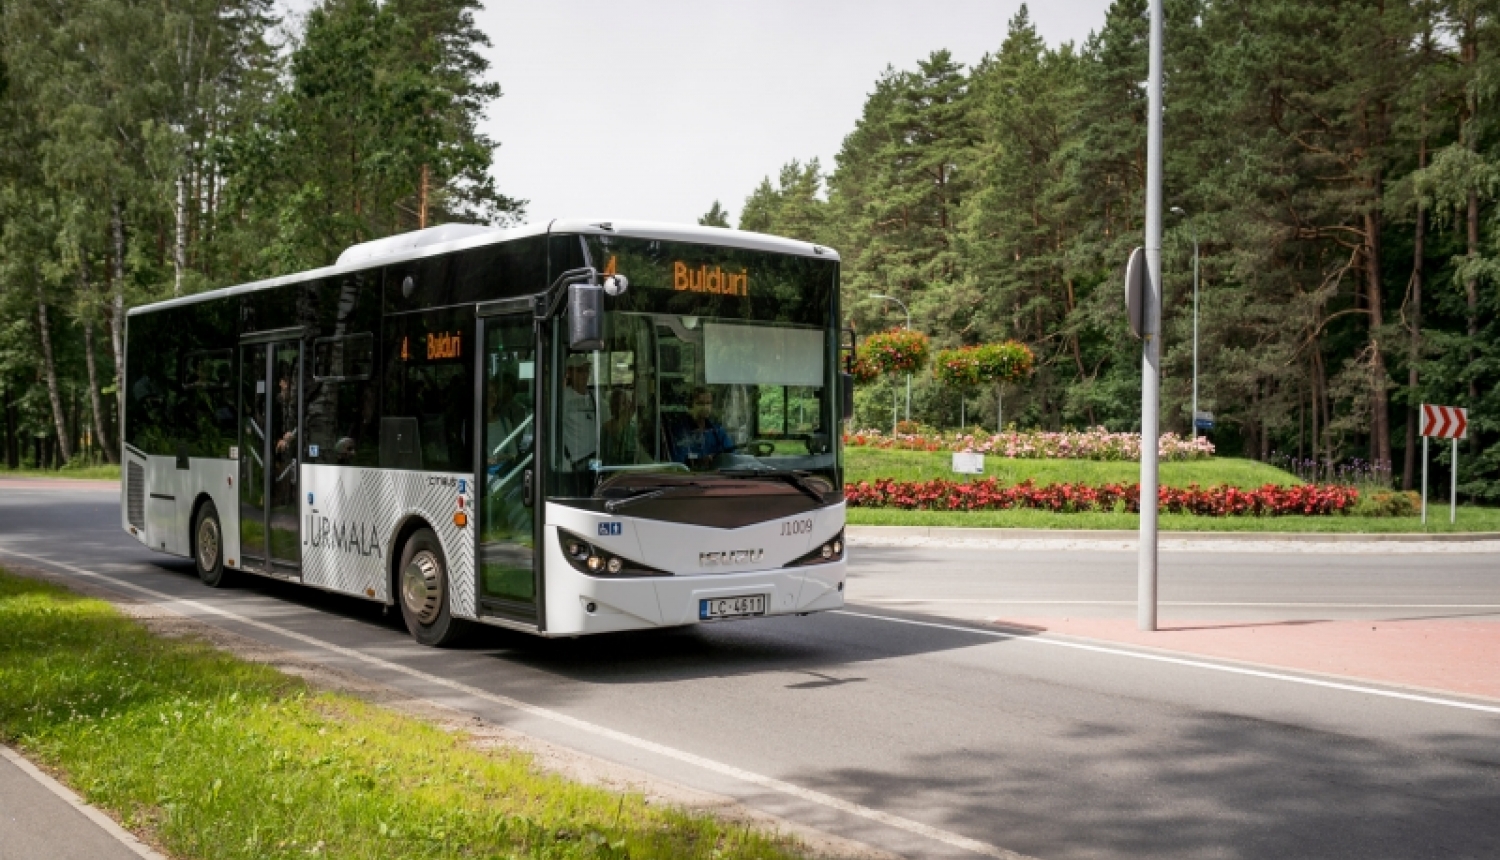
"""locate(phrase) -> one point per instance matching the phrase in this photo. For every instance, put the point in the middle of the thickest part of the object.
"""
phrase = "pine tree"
(716, 216)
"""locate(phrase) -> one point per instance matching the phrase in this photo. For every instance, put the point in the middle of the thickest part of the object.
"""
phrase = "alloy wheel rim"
(421, 587)
(208, 544)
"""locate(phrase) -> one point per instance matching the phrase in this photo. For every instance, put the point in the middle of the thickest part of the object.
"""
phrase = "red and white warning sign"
(1444, 422)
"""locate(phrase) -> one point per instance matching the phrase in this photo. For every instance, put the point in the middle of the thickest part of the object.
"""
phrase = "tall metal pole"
(908, 376)
(1453, 488)
(1424, 480)
(1151, 347)
(1195, 332)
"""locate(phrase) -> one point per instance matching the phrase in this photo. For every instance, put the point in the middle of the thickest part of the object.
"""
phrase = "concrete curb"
(98, 818)
(961, 533)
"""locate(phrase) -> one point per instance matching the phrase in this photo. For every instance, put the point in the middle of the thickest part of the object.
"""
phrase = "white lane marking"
(104, 822)
(1180, 661)
(818, 797)
(1175, 603)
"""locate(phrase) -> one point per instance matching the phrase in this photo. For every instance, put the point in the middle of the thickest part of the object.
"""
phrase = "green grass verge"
(217, 757)
(106, 472)
(1470, 519)
(867, 464)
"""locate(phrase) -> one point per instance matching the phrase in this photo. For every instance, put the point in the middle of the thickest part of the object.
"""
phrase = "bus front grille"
(135, 495)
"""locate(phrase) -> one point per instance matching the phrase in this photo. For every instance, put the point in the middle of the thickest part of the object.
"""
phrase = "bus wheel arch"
(206, 538)
(420, 584)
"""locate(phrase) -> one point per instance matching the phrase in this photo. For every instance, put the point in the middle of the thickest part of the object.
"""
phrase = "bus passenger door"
(507, 566)
(270, 445)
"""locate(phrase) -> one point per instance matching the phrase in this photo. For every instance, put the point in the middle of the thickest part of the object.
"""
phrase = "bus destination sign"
(440, 345)
(702, 279)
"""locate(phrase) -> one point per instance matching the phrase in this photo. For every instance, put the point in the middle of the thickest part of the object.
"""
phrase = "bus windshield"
(715, 380)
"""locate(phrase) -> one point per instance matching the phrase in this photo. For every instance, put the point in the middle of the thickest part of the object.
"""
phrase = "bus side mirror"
(585, 317)
(846, 391)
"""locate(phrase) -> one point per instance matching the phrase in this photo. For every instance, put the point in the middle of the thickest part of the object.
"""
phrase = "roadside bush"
(1389, 503)
(989, 495)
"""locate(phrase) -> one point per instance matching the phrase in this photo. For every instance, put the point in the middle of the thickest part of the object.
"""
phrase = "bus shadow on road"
(798, 644)
(821, 642)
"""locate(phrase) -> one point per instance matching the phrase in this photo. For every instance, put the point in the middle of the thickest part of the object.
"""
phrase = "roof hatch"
(402, 243)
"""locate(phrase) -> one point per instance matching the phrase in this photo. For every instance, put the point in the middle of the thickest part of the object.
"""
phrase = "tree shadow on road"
(1195, 784)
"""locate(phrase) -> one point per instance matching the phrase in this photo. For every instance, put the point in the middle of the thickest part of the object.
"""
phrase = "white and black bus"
(565, 429)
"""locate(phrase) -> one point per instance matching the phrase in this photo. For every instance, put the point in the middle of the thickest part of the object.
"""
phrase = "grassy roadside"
(867, 464)
(1470, 519)
(106, 472)
(211, 756)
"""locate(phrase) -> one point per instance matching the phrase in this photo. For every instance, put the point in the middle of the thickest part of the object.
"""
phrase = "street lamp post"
(908, 328)
(1179, 211)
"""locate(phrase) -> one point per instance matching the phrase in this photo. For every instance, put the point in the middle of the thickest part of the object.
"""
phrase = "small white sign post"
(967, 463)
(1443, 422)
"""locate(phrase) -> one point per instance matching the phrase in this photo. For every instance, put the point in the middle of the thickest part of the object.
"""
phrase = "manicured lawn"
(211, 756)
(1470, 519)
(867, 464)
(103, 473)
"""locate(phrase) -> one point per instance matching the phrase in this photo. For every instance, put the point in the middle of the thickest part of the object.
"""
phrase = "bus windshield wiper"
(796, 478)
(644, 493)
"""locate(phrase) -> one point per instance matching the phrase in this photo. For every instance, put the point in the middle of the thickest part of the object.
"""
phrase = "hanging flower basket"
(863, 371)
(895, 351)
(973, 366)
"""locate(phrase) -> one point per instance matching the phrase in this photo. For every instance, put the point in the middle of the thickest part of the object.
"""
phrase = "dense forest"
(149, 150)
(1337, 164)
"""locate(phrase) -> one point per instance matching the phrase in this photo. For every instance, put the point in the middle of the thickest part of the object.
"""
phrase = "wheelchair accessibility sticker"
(611, 529)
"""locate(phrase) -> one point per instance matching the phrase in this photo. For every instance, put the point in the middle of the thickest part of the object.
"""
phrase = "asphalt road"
(934, 739)
(1293, 582)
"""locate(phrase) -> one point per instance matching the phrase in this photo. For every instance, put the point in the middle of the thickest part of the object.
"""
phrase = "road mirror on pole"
(1137, 288)
(1443, 422)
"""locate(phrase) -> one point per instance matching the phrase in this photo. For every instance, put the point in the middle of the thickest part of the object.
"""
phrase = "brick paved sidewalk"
(1449, 655)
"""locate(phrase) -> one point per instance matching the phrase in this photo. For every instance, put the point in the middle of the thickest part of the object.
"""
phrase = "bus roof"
(448, 238)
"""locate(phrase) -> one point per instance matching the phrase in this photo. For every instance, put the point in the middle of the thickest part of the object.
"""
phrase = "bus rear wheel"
(422, 590)
(208, 547)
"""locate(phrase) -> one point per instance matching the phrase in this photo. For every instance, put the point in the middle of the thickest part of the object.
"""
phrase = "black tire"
(422, 591)
(208, 548)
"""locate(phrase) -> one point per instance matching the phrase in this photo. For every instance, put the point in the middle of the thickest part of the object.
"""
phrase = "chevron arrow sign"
(1444, 422)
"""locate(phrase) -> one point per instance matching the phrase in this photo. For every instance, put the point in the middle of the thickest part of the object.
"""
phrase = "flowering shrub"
(988, 495)
(972, 366)
(896, 351)
(1096, 444)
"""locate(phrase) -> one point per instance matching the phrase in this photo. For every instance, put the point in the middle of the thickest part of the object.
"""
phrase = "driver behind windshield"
(697, 437)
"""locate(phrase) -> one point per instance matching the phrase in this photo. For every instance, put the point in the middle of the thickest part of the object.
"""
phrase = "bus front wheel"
(208, 547)
(422, 591)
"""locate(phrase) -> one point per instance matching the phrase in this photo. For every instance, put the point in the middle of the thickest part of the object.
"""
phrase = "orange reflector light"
(460, 519)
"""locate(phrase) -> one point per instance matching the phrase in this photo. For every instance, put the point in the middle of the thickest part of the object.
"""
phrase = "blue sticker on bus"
(609, 529)
(463, 485)
(309, 498)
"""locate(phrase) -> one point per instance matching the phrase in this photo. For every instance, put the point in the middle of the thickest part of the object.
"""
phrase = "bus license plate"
(732, 607)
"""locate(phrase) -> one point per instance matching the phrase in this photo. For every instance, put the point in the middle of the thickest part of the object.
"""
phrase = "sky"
(653, 110)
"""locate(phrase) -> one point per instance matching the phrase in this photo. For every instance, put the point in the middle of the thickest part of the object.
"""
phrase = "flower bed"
(1096, 444)
(989, 495)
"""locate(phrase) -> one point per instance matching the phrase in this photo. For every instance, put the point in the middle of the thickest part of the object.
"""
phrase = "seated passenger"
(697, 436)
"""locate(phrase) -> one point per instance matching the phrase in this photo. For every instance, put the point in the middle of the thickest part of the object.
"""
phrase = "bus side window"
(340, 401)
(429, 392)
